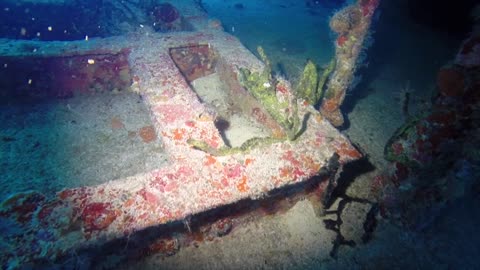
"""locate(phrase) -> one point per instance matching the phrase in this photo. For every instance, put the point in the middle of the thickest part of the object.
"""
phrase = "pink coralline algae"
(233, 171)
(320, 138)
(298, 173)
(288, 156)
(185, 171)
(165, 184)
(148, 197)
(173, 113)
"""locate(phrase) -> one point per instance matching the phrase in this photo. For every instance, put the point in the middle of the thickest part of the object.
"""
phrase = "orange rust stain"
(276, 181)
(178, 134)
(118, 213)
(285, 172)
(278, 133)
(313, 166)
(178, 213)
(345, 150)
(242, 186)
(330, 105)
(129, 203)
(205, 118)
(249, 161)
(318, 118)
(210, 160)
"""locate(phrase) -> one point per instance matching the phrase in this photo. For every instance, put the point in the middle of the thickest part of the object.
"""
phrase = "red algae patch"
(98, 216)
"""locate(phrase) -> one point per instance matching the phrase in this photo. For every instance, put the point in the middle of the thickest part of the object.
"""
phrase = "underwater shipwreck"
(217, 133)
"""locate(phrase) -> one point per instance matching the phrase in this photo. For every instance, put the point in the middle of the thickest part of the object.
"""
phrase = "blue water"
(410, 41)
(292, 32)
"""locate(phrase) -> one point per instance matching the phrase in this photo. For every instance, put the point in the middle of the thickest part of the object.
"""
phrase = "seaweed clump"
(263, 87)
(284, 108)
(310, 86)
(280, 104)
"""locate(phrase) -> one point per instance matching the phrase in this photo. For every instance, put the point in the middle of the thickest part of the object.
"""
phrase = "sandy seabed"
(84, 140)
